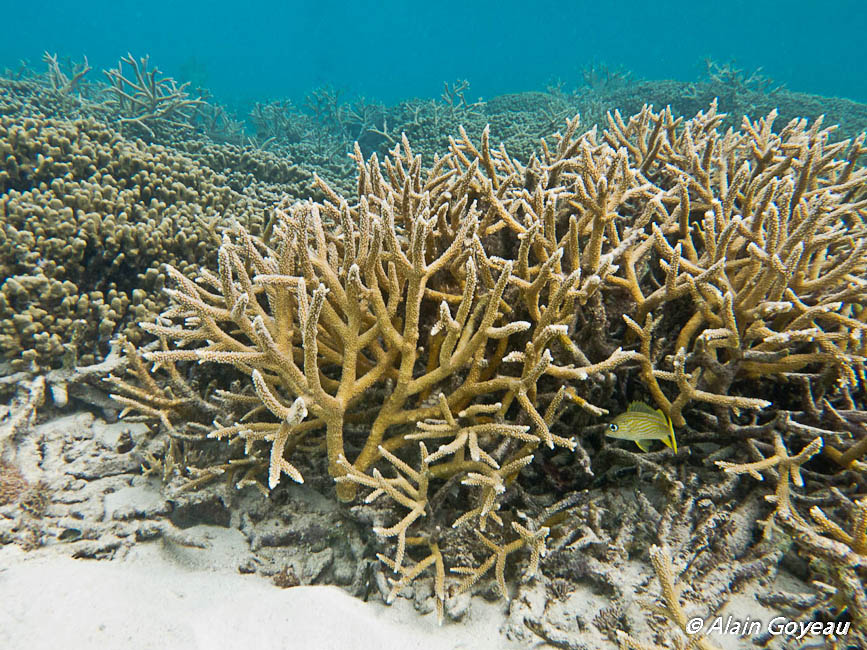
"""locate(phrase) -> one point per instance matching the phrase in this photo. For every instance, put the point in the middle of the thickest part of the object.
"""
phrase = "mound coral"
(86, 220)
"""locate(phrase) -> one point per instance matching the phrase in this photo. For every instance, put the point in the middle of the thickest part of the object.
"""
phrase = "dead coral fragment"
(22, 413)
(535, 541)
(840, 562)
(670, 607)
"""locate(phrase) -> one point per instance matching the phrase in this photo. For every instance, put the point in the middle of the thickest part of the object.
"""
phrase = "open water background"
(390, 50)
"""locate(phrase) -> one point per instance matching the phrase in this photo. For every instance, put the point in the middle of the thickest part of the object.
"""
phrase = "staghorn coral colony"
(443, 320)
(446, 344)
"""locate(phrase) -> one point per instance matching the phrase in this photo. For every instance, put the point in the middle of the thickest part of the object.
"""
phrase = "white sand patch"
(50, 601)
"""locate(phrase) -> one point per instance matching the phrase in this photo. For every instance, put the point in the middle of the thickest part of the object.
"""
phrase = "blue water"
(392, 50)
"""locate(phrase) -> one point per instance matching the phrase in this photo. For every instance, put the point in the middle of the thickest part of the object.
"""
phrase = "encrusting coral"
(430, 333)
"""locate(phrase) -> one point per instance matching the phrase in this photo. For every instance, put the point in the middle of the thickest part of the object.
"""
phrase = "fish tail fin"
(673, 444)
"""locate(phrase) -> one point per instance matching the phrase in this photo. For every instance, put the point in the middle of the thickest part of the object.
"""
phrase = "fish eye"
(612, 427)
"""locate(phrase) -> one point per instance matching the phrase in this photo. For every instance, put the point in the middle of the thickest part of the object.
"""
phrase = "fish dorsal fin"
(641, 407)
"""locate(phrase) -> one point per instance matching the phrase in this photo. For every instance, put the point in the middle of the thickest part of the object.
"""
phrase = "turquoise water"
(394, 50)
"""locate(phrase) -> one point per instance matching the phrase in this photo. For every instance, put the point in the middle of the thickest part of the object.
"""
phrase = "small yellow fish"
(642, 423)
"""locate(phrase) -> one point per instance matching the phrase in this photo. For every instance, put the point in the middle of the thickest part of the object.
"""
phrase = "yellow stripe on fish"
(641, 423)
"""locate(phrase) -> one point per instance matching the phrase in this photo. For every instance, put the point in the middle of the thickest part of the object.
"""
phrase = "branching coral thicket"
(764, 235)
(403, 317)
(430, 332)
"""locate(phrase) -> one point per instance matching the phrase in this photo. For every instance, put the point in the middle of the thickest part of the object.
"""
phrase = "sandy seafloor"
(157, 599)
(109, 569)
